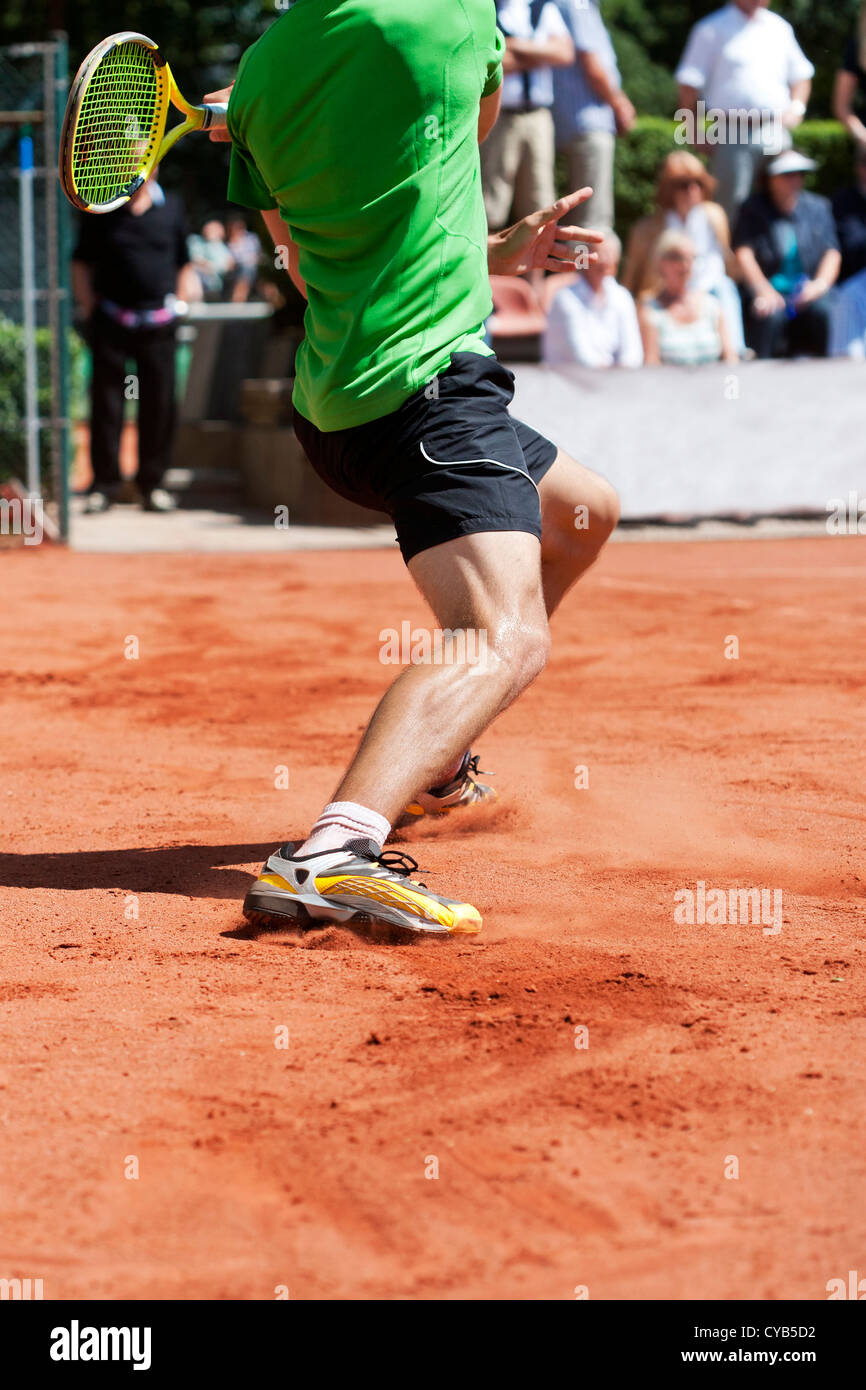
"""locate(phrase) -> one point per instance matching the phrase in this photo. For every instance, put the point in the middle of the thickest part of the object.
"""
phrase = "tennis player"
(355, 127)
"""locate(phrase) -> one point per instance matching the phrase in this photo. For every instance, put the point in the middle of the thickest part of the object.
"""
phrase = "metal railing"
(35, 312)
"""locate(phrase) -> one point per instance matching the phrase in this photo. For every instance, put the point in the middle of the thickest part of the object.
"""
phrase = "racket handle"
(214, 115)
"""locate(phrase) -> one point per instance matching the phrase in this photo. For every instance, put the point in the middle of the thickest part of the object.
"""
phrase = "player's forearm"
(287, 251)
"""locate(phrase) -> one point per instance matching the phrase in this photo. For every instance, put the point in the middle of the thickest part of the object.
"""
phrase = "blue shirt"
(576, 107)
(768, 232)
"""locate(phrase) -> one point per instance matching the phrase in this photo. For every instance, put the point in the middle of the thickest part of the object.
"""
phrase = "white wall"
(758, 437)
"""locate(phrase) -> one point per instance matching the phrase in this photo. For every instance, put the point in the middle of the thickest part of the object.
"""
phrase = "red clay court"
(148, 787)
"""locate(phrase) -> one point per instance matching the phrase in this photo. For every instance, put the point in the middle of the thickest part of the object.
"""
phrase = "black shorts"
(450, 462)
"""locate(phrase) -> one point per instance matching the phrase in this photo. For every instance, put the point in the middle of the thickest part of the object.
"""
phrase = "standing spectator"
(786, 243)
(756, 81)
(590, 109)
(517, 158)
(131, 277)
(211, 258)
(848, 330)
(681, 326)
(246, 252)
(849, 91)
(593, 320)
(684, 204)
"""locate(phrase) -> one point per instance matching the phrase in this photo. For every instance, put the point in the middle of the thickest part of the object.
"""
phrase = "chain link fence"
(37, 344)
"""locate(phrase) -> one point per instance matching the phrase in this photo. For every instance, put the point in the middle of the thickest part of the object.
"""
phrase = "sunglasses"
(683, 185)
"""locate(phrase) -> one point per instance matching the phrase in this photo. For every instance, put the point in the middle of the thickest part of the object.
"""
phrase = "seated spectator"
(786, 243)
(211, 258)
(681, 326)
(593, 320)
(848, 329)
(683, 204)
(849, 91)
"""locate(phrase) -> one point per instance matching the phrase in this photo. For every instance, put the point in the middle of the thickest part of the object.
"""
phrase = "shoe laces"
(476, 771)
(399, 863)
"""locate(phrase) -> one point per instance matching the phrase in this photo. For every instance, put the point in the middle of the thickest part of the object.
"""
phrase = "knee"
(521, 653)
(605, 511)
(534, 652)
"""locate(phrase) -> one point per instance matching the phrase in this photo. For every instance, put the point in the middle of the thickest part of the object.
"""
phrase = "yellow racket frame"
(158, 143)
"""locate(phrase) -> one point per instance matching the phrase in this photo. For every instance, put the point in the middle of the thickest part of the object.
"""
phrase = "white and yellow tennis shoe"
(356, 884)
(463, 790)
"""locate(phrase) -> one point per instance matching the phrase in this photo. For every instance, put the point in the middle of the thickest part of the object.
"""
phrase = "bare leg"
(579, 509)
(488, 584)
(499, 584)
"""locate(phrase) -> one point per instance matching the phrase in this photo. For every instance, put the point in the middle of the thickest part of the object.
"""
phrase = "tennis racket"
(114, 132)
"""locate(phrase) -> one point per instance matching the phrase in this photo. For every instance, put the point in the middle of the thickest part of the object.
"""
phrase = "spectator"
(849, 91)
(211, 258)
(131, 277)
(593, 320)
(755, 80)
(590, 108)
(683, 204)
(517, 158)
(848, 329)
(246, 252)
(786, 243)
(681, 326)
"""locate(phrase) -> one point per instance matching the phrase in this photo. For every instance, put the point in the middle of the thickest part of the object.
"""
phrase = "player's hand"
(539, 243)
(219, 135)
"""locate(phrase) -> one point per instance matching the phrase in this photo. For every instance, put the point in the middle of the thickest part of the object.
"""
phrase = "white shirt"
(514, 17)
(709, 271)
(742, 64)
(593, 330)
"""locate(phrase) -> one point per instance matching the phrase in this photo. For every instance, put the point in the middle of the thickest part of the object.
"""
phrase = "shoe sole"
(263, 906)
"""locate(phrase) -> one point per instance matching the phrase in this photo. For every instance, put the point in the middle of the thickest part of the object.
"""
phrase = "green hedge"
(639, 154)
(12, 390)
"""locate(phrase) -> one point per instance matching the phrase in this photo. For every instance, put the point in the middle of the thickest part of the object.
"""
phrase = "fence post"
(57, 239)
(28, 288)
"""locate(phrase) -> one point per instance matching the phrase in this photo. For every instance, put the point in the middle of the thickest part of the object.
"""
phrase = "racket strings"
(117, 125)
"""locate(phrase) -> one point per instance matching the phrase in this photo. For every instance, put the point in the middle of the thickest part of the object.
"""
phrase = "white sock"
(341, 821)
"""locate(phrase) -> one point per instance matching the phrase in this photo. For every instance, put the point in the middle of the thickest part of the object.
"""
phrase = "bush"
(13, 450)
(639, 154)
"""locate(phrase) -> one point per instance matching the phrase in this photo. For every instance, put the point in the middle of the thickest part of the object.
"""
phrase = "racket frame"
(168, 94)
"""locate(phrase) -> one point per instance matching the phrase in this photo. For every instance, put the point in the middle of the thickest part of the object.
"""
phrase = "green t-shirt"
(358, 119)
